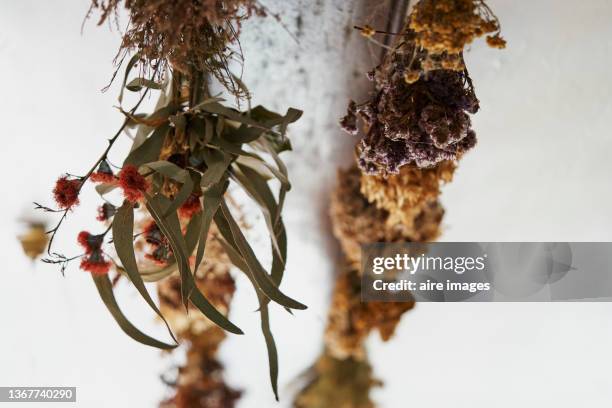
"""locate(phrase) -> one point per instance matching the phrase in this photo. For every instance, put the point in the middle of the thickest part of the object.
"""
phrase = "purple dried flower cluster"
(422, 122)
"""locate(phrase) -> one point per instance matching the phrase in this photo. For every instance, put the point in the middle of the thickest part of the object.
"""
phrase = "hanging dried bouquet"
(175, 178)
(414, 128)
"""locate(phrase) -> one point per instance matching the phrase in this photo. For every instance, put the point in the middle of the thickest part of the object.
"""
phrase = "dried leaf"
(149, 150)
(260, 276)
(123, 239)
(105, 289)
(137, 84)
(170, 226)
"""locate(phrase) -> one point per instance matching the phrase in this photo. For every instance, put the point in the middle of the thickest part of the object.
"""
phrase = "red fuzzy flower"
(190, 207)
(95, 263)
(104, 174)
(90, 243)
(99, 177)
(66, 192)
(132, 183)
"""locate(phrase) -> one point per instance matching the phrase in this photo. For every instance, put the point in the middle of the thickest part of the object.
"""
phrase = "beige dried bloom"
(447, 26)
(400, 194)
(355, 221)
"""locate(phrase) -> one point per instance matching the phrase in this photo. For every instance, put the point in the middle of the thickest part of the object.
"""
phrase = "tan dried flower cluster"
(447, 26)
(400, 194)
(350, 320)
(438, 32)
(355, 221)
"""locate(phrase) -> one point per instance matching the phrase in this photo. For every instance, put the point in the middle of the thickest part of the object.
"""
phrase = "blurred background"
(539, 173)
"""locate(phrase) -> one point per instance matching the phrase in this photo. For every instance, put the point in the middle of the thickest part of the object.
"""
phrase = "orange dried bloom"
(190, 207)
(132, 183)
(95, 263)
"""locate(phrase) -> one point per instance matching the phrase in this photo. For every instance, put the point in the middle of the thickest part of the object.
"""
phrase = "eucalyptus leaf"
(257, 188)
(131, 63)
(212, 200)
(217, 163)
(170, 226)
(169, 170)
(105, 188)
(105, 289)
(238, 260)
(260, 276)
(270, 344)
(232, 114)
(148, 151)
(201, 105)
(137, 84)
(123, 240)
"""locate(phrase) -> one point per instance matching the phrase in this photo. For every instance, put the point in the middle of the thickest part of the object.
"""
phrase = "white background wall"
(540, 172)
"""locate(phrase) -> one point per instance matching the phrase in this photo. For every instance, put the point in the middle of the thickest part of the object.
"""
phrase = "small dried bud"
(496, 41)
(349, 121)
(411, 76)
(106, 211)
(367, 31)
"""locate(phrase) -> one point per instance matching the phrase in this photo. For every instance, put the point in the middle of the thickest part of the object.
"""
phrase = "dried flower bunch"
(416, 127)
(420, 124)
(184, 195)
(419, 113)
(173, 208)
(444, 28)
(191, 35)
